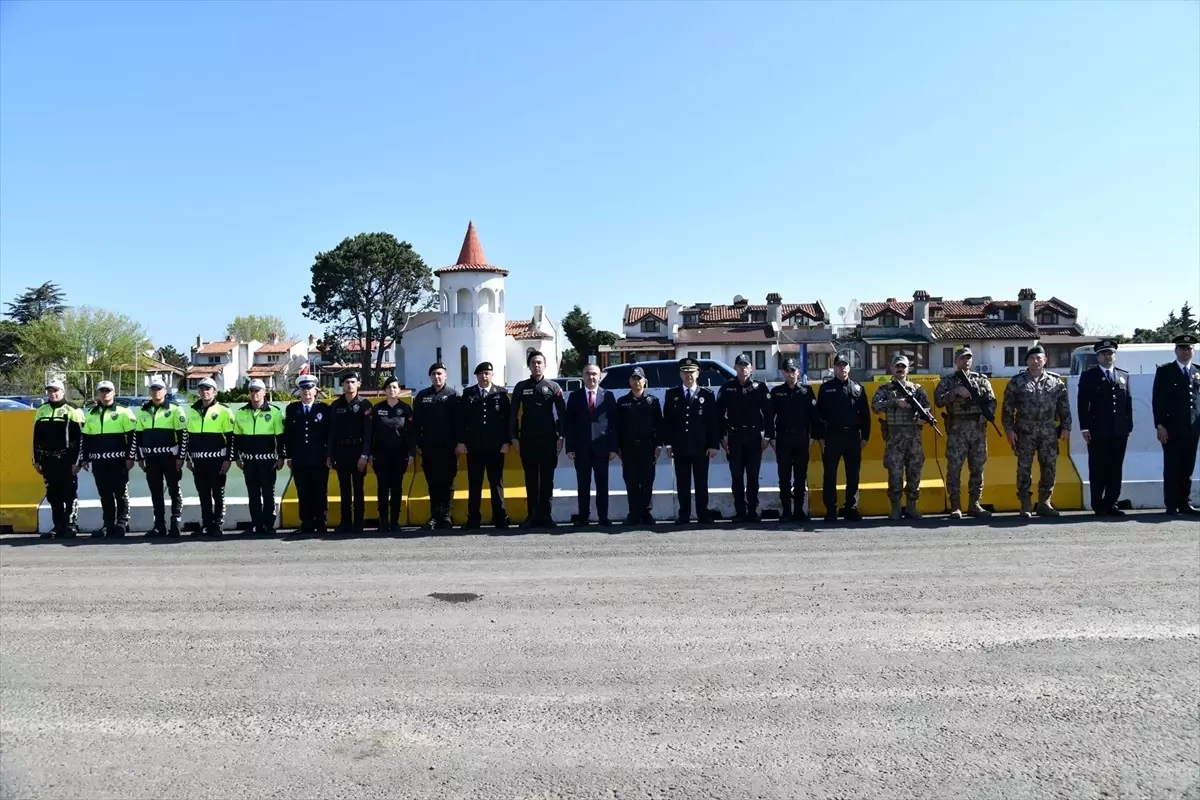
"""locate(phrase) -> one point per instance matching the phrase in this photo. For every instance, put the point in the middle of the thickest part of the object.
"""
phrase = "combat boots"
(1044, 509)
(1025, 508)
(955, 508)
(911, 510)
(977, 510)
(895, 510)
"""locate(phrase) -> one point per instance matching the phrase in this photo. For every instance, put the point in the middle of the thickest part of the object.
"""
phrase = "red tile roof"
(215, 348)
(265, 370)
(203, 371)
(721, 334)
(523, 329)
(960, 309)
(147, 364)
(278, 347)
(471, 257)
(988, 329)
(726, 313)
(636, 314)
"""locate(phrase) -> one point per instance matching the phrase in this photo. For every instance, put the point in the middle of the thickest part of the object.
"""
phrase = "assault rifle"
(988, 413)
(922, 412)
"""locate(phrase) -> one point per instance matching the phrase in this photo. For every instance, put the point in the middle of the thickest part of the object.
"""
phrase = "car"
(665, 373)
(7, 404)
(33, 401)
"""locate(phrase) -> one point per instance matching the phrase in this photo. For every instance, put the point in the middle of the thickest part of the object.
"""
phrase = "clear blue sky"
(183, 163)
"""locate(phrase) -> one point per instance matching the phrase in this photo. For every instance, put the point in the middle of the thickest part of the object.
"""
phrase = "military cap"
(256, 385)
(638, 372)
(791, 363)
(435, 367)
(54, 384)
(841, 358)
(529, 358)
(1104, 344)
(206, 383)
(484, 366)
(306, 381)
(351, 375)
(1036, 350)
(963, 351)
(899, 358)
(688, 365)
(1185, 340)
(390, 380)
(741, 359)
(157, 383)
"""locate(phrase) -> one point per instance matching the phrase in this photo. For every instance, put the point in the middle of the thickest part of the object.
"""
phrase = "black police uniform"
(1106, 412)
(161, 443)
(58, 451)
(350, 440)
(306, 443)
(845, 423)
(435, 419)
(392, 447)
(639, 434)
(794, 410)
(745, 418)
(536, 423)
(483, 430)
(691, 428)
(1176, 406)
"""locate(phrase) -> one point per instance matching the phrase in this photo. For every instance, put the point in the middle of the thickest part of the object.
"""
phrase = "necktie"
(687, 395)
(591, 400)
(307, 410)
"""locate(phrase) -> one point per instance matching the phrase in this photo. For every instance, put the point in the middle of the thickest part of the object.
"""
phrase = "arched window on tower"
(466, 369)
(500, 301)
(445, 303)
(487, 301)
(463, 302)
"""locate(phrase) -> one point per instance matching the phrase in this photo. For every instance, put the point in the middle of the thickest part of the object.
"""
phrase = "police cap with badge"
(688, 365)
(790, 364)
(741, 359)
(1185, 340)
(1105, 345)
(306, 382)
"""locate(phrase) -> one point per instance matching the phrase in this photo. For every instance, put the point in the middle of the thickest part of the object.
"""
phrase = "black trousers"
(62, 491)
(112, 482)
(389, 490)
(687, 468)
(492, 464)
(210, 485)
(1179, 459)
(312, 495)
(353, 507)
(260, 486)
(587, 466)
(440, 465)
(637, 468)
(791, 456)
(539, 457)
(745, 458)
(160, 471)
(1106, 457)
(841, 445)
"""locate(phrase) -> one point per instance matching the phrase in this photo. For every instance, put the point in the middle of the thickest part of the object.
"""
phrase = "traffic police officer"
(536, 430)
(306, 446)
(794, 413)
(435, 420)
(209, 452)
(639, 443)
(903, 452)
(1105, 408)
(747, 425)
(1037, 414)
(692, 433)
(845, 429)
(57, 452)
(258, 449)
(1176, 407)
(483, 438)
(392, 447)
(350, 450)
(966, 431)
(161, 442)
(109, 447)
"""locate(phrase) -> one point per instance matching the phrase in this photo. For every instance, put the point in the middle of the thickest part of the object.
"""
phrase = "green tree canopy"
(249, 327)
(585, 341)
(1174, 325)
(83, 344)
(37, 302)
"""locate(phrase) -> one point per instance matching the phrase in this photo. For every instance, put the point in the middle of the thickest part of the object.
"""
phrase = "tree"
(37, 302)
(367, 289)
(1172, 326)
(585, 341)
(10, 346)
(169, 355)
(83, 343)
(255, 327)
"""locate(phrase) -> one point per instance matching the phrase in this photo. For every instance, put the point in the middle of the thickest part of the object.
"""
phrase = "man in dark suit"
(1176, 405)
(306, 447)
(692, 435)
(591, 435)
(1105, 420)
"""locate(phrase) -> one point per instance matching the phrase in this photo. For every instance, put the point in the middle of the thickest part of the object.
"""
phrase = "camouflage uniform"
(966, 436)
(903, 451)
(1037, 410)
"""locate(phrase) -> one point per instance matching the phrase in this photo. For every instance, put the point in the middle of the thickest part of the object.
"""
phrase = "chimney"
(1026, 298)
(229, 337)
(775, 311)
(199, 342)
(272, 338)
(674, 317)
(920, 311)
(538, 313)
(312, 340)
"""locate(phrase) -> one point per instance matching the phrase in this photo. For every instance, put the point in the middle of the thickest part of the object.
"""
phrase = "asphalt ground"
(1043, 659)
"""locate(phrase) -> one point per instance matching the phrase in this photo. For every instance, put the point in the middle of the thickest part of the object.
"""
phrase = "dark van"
(664, 374)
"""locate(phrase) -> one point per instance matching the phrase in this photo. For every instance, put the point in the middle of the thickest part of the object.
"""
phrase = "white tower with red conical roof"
(471, 319)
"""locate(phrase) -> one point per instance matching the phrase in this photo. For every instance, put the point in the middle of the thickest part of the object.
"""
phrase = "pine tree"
(1186, 323)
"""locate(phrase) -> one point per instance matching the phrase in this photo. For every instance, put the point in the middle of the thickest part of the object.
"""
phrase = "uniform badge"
(367, 412)
(545, 390)
(700, 399)
(318, 416)
(212, 415)
(113, 417)
(267, 417)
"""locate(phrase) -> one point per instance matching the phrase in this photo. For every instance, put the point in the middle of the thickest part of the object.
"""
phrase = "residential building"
(225, 361)
(134, 378)
(276, 361)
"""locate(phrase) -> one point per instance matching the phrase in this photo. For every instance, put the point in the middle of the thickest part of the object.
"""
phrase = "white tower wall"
(472, 317)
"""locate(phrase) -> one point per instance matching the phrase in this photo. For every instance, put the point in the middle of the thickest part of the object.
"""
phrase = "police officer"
(903, 452)
(435, 420)
(639, 442)
(1105, 408)
(1037, 415)
(483, 439)
(258, 449)
(845, 429)
(306, 446)
(692, 433)
(392, 448)
(747, 425)
(209, 452)
(109, 447)
(57, 454)
(536, 431)
(966, 431)
(794, 413)
(161, 442)
(1176, 407)
(350, 450)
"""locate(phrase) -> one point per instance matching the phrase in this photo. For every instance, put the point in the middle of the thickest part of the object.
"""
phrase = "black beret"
(349, 375)
(484, 366)
(1036, 350)
(436, 367)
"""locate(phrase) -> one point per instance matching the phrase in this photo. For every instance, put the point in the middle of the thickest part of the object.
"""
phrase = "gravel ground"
(1052, 659)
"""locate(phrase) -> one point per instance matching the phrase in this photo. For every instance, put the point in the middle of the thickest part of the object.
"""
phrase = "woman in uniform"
(391, 450)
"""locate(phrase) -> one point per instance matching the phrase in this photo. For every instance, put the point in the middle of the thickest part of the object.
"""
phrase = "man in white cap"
(109, 447)
(258, 449)
(209, 452)
(161, 442)
(306, 447)
(57, 450)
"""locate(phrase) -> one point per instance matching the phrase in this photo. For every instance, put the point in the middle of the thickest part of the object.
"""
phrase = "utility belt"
(257, 456)
(159, 452)
(56, 454)
(107, 456)
(209, 455)
(348, 442)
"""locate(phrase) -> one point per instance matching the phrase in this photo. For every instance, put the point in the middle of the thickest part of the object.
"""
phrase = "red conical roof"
(471, 257)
